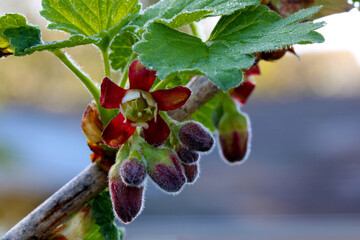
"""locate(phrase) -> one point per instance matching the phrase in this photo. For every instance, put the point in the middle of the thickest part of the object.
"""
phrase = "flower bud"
(273, 55)
(187, 156)
(127, 200)
(91, 124)
(132, 172)
(195, 137)
(234, 134)
(191, 172)
(164, 168)
(242, 92)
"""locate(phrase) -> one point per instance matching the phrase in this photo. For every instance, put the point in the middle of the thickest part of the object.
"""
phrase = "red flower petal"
(140, 77)
(254, 70)
(111, 94)
(117, 132)
(170, 99)
(242, 92)
(157, 133)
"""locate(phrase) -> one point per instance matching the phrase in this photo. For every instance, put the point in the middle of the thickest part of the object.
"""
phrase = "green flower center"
(138, 106)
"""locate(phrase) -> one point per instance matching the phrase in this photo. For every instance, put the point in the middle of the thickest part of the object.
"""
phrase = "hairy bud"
(191, 172)
(195, 137)
(132, 172)
(165, 169)
(127, 200)
(91, 124)
(187, 156)
(234, 134)
(273, 55)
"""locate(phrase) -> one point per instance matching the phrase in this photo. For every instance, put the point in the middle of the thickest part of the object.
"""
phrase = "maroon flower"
(139, 107)
(242, 92)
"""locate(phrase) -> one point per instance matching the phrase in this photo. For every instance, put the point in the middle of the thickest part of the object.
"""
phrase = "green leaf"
(104, 217)
(16, 35)
(204, 114)
(121, 49)
(11, 21)
(230, 46)
(73, 41)
(23, 37)
(178, 13)
(87, 17)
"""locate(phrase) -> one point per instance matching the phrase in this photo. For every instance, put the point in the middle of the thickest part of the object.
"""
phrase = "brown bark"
(91, 181)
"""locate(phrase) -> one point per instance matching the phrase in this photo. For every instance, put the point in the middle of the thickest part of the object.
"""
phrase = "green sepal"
(231, 121)
(154, 155)
(123, 153)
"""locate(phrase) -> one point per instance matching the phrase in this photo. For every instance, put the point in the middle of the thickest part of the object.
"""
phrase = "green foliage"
(204, 114)
(90, 22)
(179, 13)
(229, 48)
(104, 217)
(121, 49)
(15, 31)
(11, 20)
(23, 37)
(87, 17)
(75, 40)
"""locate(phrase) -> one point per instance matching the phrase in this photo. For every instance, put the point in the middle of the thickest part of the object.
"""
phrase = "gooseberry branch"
(75, 194)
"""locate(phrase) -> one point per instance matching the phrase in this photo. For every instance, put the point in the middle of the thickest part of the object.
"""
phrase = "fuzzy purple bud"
(127, 200)
(187, 156)
(191, 172)
(165, 170)
(132, 172)
(195, 137)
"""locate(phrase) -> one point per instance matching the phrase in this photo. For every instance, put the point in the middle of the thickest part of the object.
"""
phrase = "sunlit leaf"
(229, 48)
(87, 17)
(178, 13)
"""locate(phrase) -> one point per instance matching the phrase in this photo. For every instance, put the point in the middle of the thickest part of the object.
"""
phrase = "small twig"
(202, 91)
(75, 194)
(60, 206)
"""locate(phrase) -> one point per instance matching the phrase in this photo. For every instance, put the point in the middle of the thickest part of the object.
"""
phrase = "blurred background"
(302, 180)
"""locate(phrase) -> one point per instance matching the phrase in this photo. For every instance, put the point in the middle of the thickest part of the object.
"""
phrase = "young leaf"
(229, 49)
(23, 37)
(11, 21)
(179, 13)
(87, 17)
(104, 217)
(121, 49)
(16, 34)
